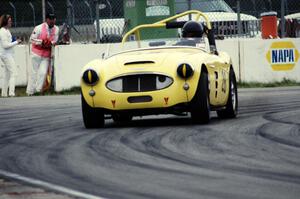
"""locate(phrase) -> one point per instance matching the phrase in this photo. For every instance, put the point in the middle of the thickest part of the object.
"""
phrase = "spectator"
(43, 37)
(64, 37)
(7, 56)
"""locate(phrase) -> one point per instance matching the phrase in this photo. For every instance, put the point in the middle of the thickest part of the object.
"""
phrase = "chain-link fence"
(289, 10)
(230, 18)
(79, 15)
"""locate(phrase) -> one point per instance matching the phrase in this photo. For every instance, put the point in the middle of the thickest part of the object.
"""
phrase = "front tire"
(231, 108)
(200, 106)
(92, 117)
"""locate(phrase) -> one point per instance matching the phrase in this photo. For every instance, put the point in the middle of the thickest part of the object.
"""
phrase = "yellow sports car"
(161, 76)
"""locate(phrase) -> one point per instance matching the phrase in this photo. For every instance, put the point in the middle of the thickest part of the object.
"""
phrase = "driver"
(192, 33)
(192, 29)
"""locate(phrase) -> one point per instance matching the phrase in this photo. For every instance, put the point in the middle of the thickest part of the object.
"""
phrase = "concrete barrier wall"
(254, 60)
(22, 62)
(69, 60)
(231, 46)
(256, 66)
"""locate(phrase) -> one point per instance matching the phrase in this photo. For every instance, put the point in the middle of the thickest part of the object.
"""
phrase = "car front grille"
(139, 83)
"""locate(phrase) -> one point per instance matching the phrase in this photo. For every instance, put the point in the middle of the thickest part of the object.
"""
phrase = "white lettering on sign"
(130, 3)
(157, 2)
(283, 56)
(157, 11)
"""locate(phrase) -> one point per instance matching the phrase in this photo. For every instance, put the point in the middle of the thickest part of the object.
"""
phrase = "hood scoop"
(138, 62)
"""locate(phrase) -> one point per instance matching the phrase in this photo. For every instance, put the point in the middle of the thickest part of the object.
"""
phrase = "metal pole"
(33, 12)
(254, 7)
(44, 10)
(238, 6)
(97, 21)
(51, 6)
(69, 19)
(110, 8)
(90, 10)
(73, 15)
(282, 19)
(15, 13)
(270, 5)
(189, 8)
(70, 13)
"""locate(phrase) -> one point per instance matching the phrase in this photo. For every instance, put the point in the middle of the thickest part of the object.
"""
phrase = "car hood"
(151, 60)
(139, 57)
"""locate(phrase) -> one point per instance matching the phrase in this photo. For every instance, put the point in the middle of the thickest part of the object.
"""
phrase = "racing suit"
(42, 38)
(6, 55)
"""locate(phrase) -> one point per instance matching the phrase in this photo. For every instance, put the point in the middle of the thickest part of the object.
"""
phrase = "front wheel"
(92, 117)
(231, 107)
(200, 106)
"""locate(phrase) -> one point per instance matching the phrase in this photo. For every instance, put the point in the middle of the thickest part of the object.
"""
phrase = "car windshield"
(202, 5)
(200, 43)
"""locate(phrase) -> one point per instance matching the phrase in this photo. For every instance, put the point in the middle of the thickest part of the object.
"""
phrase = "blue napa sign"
(282, 56)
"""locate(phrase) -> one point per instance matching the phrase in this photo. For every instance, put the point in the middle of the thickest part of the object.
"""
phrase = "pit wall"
(254, 60)
(22, 60)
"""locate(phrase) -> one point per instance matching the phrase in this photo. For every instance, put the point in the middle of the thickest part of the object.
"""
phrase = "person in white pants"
(43, 37)
(7, 56)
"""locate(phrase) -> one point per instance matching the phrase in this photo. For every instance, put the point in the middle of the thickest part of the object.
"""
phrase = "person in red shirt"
(43, 37)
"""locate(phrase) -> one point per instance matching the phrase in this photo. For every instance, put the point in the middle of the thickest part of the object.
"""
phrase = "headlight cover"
(90, 77)
(185, 71)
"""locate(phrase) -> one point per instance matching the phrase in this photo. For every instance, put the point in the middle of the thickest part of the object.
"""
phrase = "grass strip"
(283, 83)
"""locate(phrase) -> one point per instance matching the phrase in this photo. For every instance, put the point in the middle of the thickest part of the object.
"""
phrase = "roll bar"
(162, 23)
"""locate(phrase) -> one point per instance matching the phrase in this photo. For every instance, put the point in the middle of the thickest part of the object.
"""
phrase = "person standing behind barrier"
(7, 56)
(43, 37)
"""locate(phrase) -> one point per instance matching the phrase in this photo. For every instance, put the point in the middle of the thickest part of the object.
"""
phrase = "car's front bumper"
(165, 98)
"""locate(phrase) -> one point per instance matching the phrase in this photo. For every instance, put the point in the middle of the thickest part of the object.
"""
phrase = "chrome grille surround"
(140, 82)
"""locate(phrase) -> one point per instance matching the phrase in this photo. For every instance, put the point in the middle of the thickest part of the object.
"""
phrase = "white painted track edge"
(48, 185)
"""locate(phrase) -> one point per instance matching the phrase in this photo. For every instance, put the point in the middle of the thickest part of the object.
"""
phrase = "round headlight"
(185, 71)
(90, 77)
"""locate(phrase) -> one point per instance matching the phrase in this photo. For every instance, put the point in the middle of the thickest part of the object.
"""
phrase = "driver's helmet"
(192, 29)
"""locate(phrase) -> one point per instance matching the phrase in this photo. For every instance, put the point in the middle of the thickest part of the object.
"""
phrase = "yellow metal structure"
(162, 23)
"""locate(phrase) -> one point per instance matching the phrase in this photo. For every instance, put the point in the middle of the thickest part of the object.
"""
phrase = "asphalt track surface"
(256, 155)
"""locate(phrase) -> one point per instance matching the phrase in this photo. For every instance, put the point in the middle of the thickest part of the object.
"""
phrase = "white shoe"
(3, 94)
